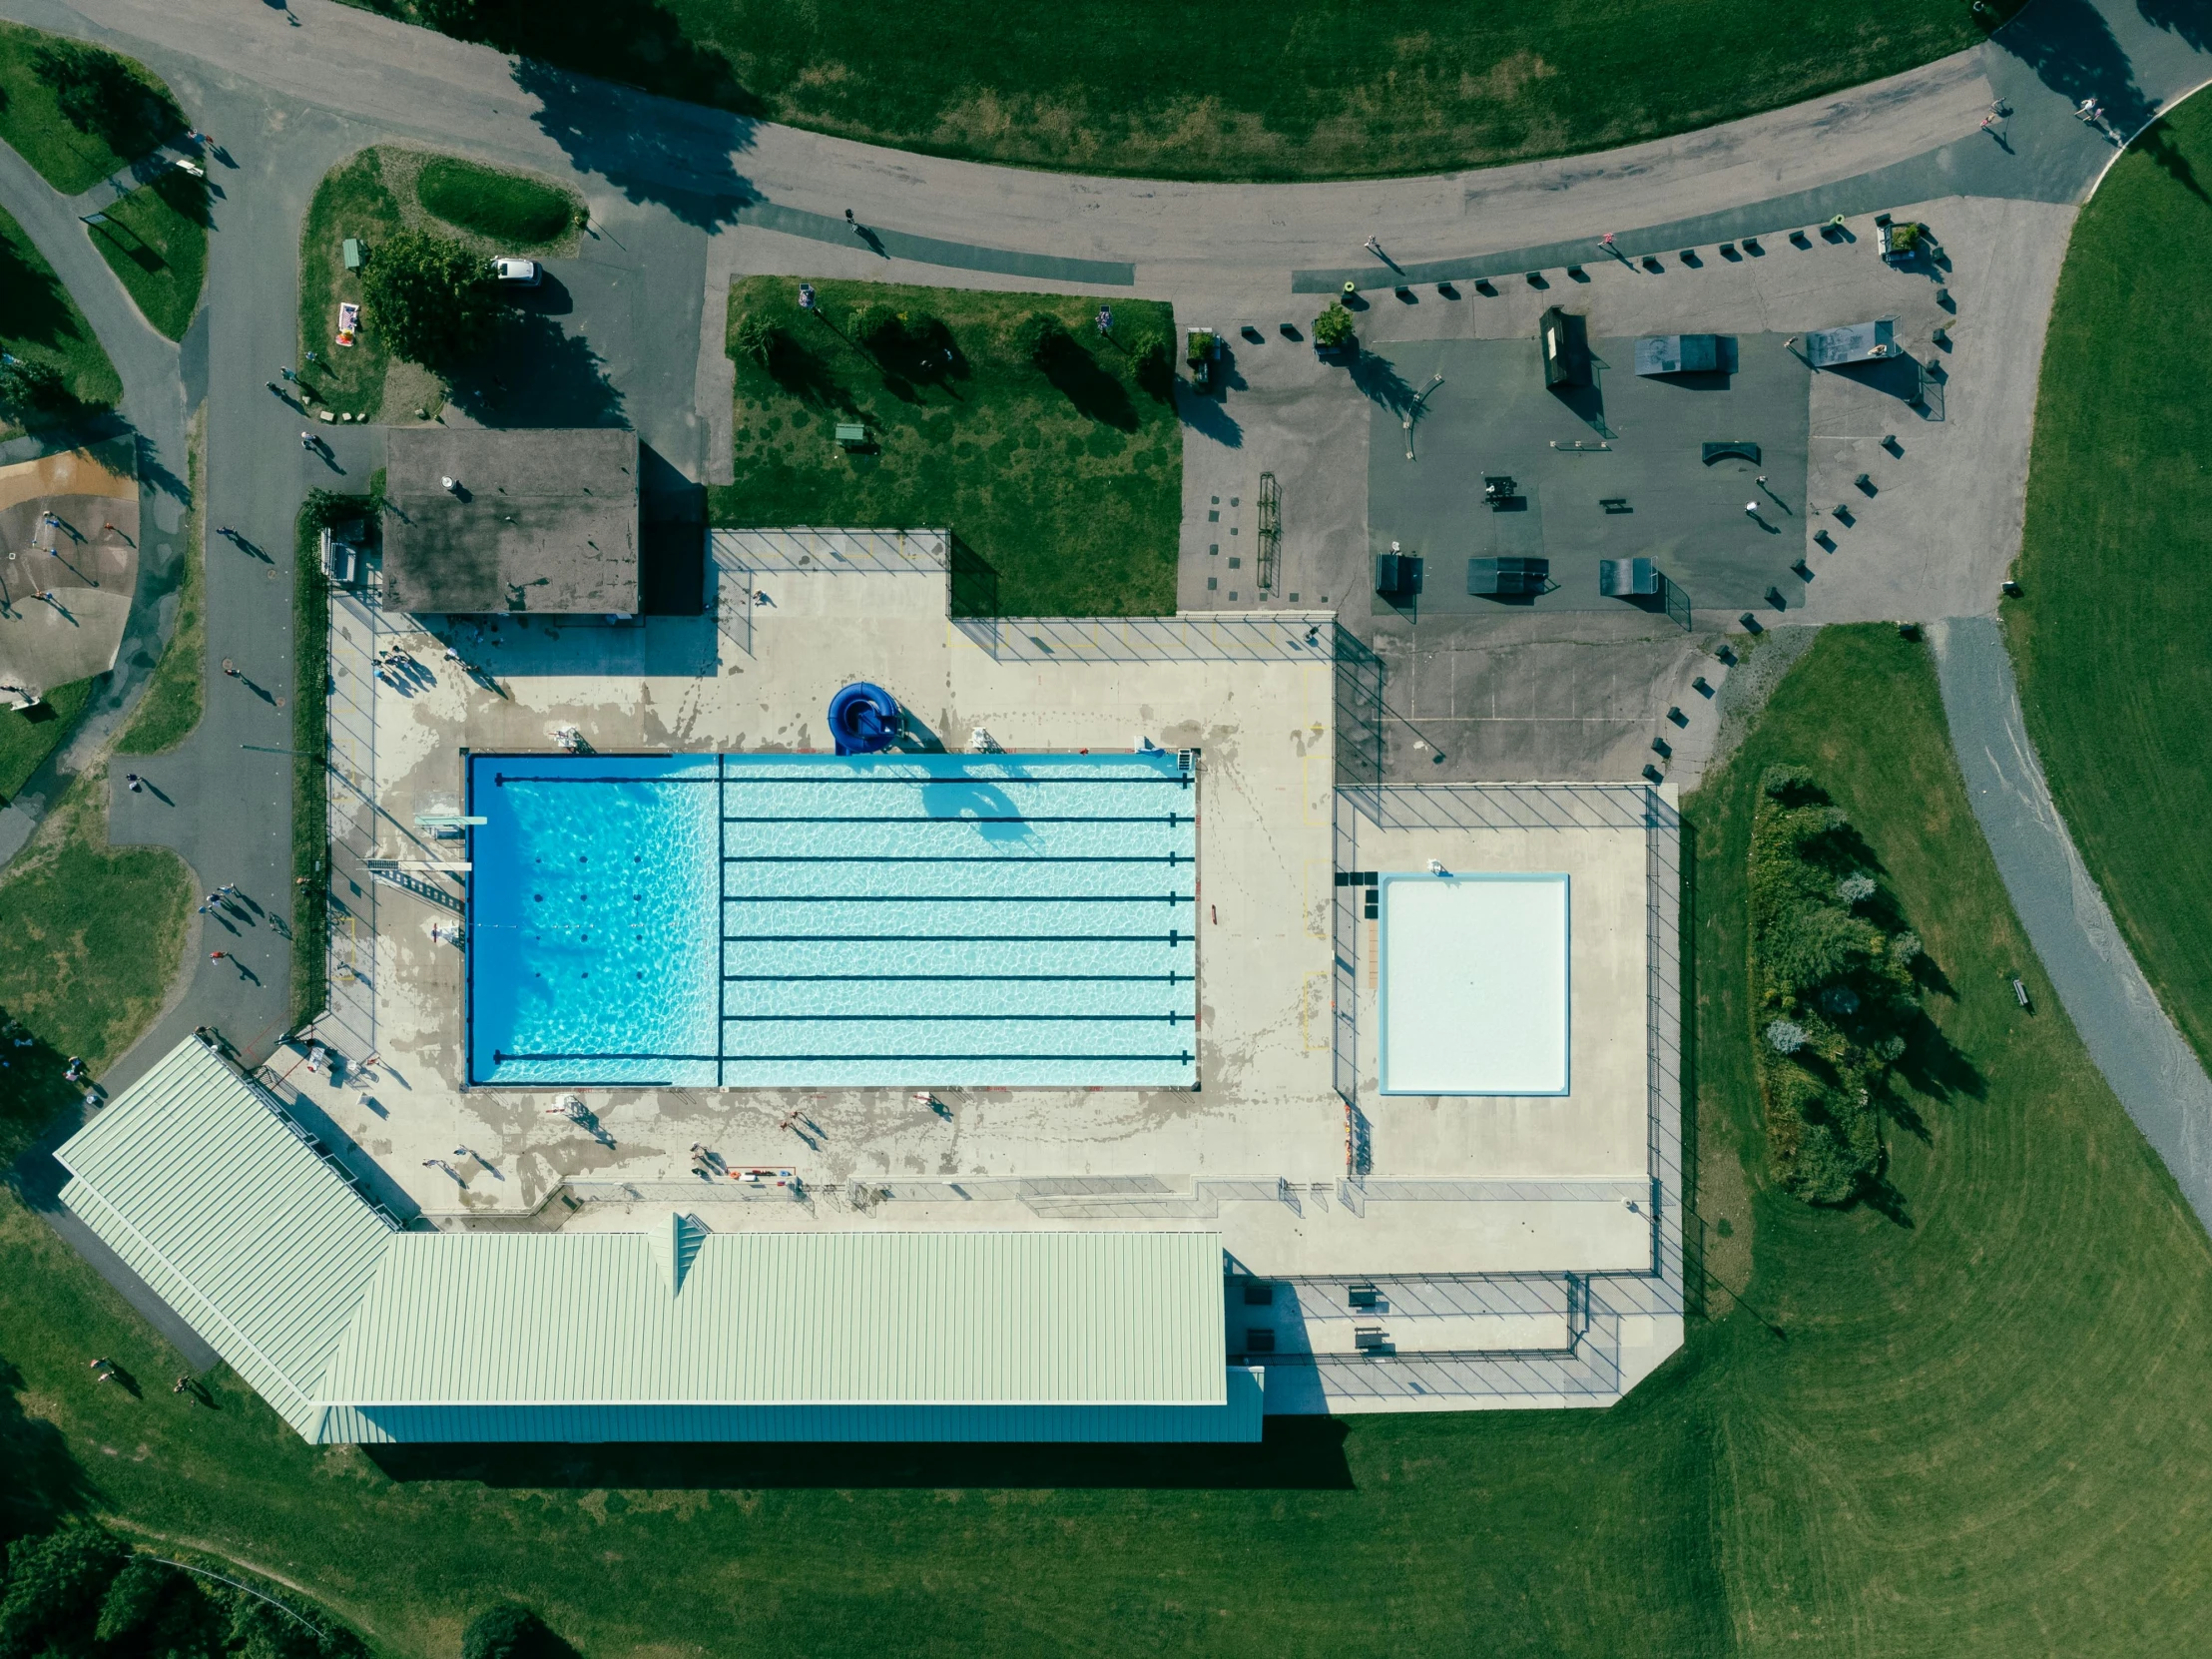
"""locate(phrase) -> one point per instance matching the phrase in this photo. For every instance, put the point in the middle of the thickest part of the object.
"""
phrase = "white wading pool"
(1475, 984)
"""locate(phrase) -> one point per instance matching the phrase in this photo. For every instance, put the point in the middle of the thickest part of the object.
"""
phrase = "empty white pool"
(1475, 984)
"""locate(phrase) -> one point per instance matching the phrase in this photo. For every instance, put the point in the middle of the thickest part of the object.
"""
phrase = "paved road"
(2154, 1072)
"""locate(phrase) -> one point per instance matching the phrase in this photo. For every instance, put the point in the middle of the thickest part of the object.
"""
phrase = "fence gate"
(1271, 532)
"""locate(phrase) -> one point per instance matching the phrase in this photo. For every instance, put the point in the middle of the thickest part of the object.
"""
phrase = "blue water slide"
(864, 719)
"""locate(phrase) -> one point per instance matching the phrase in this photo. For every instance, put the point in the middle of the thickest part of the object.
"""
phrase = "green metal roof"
(355, 1330)
(791, 1317)
(192, 1179)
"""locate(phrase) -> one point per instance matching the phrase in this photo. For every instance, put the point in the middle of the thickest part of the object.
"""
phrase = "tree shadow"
(1077, 376)
(680, 159)
(38, 305)
(2186, 18)
(2157, 141)
(1298, 1454)
(1206, 417)
(1380, 383)
(100, 96)
(45, 1483)
(800, 371)
(2073, 52)
(558, 381)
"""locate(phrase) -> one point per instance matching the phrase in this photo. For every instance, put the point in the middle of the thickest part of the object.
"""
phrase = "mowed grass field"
(1238, 89)
(1064, 484)
(1974, 1426)
(156, 241)
(2110, 634)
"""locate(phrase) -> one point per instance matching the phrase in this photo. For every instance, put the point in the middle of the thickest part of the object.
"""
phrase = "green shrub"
(505, 208)
(1835, 990)
(1040, 336)
(754, 339)
(31, 387)
(1332, 327)
(429, 298)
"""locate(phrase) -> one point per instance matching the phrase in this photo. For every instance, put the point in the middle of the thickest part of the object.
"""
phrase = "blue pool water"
(901, 921)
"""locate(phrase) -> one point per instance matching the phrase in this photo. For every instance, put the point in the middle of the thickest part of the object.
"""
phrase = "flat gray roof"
(540, 519)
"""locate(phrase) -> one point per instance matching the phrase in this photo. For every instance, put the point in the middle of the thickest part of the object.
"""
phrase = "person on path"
(135, 780)
(227, 534)
(230, 887)
(290, 374)
(1751, 507)
(307, 441)
(231, 670)
(1607, 241)
(218, 955)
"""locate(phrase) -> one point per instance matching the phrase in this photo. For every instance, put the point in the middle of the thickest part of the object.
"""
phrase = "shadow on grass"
(802, 372)
(1076, 375)
(2157, 141)
(1298, 1454)
(44, 1481)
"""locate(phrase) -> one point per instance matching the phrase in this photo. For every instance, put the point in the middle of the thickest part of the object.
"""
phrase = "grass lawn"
(2109, 636)
(25, 743)
(171, 704)
(523, 214)
(311, 800)
(1067, 488)
(91, 938)
(38, 319)
(353, 201)
(1976, 1428)
(1245, 89)
(136, 111)
(156, 241)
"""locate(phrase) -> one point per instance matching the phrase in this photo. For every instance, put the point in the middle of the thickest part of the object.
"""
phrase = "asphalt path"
(2156, 1074)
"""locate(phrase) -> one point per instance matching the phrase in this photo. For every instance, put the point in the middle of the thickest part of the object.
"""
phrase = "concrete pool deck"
(1305, 1189)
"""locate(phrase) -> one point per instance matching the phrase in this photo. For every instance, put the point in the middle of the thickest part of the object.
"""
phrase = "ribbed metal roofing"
(264, 1250)
(791, 1319)
(353, 1331)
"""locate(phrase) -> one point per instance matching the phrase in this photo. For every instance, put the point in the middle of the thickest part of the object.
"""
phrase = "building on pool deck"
(888, 1109)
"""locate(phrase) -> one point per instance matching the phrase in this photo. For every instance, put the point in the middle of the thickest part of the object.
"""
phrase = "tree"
(30, 386)
(510, 1630)
(56, 1584)
(1332, 327)
(154, 1611)
(1040, 336)
(434, 301)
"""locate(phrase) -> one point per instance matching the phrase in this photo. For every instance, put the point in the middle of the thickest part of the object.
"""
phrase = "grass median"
(28, 735)
(40, 322)
(155, 242)
(514, 212)
(1971, 1422)
(2109, 632)
(1060, 471)
(75, 112)
(176, 693)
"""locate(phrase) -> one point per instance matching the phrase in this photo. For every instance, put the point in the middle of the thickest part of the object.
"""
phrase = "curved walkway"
(2154, 1072)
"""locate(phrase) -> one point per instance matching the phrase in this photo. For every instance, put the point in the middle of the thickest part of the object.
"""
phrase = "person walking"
(135, 780)
(307, 441)
(290, 374)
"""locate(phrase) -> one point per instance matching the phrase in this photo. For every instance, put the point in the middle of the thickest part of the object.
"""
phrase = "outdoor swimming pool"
(809, 920)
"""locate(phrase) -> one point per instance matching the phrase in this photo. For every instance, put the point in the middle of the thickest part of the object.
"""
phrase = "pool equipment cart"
(864, 719)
